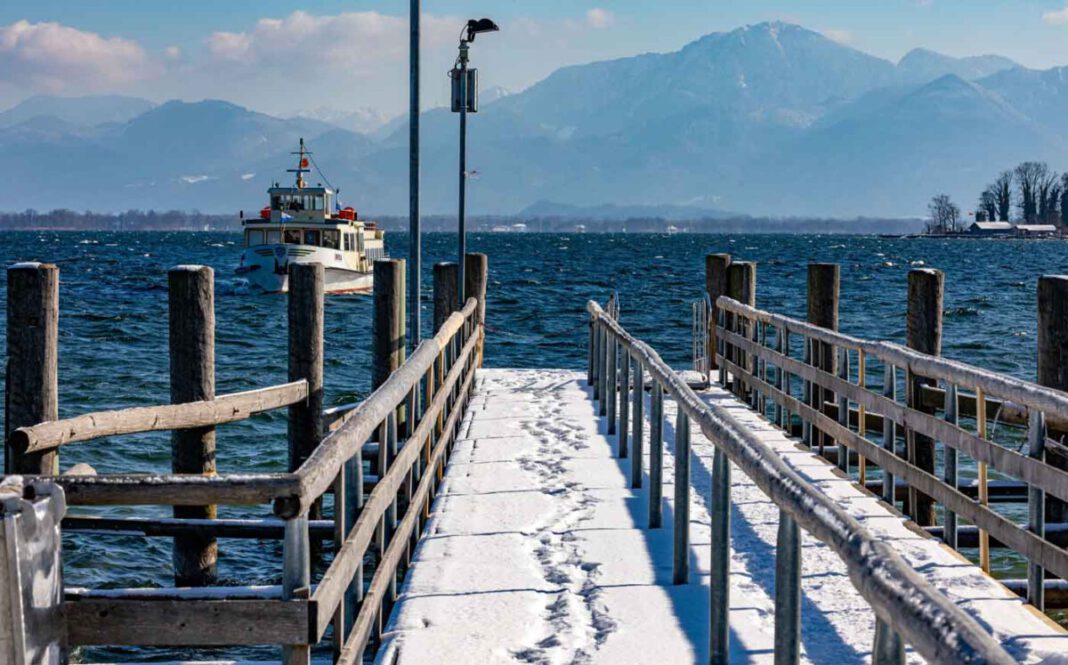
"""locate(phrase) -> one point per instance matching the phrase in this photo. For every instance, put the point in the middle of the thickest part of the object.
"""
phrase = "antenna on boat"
(302, 165)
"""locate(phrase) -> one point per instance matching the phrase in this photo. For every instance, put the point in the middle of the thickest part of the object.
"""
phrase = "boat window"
(311, 238)
(274, 237)
(276, 202)
(359, 241)
(316, 203)
(253, 238)
(331, 238)
(291, 237)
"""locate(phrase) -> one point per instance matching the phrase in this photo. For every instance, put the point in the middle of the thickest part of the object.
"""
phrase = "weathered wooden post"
(306, 283)
(32, 357)
(741, 286)
(926, 289)
(656, 456)
(296, 579)
(444, 292)
(192, 357)
(389, 338)
(476, 278)
(715, 285)
(823, 294)
(1053, 362)
(638, 423)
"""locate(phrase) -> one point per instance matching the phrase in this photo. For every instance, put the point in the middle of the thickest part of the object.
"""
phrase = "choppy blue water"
(113, 332)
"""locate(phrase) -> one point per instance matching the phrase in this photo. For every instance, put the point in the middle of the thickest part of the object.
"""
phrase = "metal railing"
(756, 351)
(908, 609)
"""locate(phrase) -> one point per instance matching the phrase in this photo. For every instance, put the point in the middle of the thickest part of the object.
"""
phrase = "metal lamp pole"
(414, 222)
(462, 215)
(464, 100)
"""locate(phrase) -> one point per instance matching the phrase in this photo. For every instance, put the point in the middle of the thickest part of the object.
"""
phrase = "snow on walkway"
(537, 551)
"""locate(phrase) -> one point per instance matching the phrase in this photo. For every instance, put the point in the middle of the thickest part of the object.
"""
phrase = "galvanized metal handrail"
(905, 604)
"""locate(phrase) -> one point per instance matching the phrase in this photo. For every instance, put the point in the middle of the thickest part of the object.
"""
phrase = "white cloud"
(599, 19)
(1059, 17)
(840, 36)
(359, 41)
(52, 57)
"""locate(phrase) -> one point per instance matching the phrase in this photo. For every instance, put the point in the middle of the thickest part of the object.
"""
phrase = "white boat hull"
(266, 268)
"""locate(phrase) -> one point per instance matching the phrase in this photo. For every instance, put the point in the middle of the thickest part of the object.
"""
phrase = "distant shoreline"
(176, 221)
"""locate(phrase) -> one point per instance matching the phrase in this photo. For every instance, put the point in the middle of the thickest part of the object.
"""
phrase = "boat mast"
(302, 165)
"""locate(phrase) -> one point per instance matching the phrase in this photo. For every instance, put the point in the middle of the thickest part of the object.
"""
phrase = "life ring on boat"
(265, 213)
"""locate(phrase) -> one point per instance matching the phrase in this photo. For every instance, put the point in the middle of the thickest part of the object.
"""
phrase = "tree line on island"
(1036, 193)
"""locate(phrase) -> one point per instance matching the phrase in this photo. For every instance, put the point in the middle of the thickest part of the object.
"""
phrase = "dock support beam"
(192, 361)
(32, 360)
(823, 296)
(715, 285)
(925, 298)
(306, 285)
(476, 277)
(788, 592)
(296, 579)
(1053, 360)
(445, 297)
(741, 286)
(638, 418)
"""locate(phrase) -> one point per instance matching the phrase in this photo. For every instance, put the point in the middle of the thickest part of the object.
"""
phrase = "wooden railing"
(758, 355)
(376, 518)
(909, 609)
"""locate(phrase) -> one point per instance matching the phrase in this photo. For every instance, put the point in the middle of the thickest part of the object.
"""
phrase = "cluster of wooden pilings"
(760, 370)
(417, 400)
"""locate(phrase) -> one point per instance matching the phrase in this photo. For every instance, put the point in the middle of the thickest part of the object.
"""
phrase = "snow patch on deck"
(537, 550)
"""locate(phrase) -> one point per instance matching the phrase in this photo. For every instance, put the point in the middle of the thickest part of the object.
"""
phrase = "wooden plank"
(221, 410)
(166, 527)
(1010, 462)
(186, 622)
(1030, 545)
(350, 556)
(176, 490)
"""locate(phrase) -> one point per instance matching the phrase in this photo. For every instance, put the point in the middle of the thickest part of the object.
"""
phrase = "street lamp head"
(478, 26)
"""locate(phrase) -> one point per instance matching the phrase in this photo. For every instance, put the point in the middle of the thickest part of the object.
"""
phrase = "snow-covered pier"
(799, 495)
(539, 550)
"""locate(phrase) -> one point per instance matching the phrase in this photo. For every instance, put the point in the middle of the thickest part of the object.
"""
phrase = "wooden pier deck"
(538, 550)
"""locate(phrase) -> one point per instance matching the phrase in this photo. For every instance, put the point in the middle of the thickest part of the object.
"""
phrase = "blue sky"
(284, 56)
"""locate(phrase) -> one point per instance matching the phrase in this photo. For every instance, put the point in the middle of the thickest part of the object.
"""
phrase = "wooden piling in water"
(715, 285)
(1053, 362)
(306, 285)
(32, 360)
(926, 289)
(306, 282)
(192, 364)
(824, 290)
(476, 279)
(388, 338)
(444, 292)
(741, 286)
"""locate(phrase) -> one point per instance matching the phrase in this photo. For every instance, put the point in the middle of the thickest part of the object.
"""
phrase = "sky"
(284, 57)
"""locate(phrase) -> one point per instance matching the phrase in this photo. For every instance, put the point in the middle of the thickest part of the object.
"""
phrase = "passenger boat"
(304, 224)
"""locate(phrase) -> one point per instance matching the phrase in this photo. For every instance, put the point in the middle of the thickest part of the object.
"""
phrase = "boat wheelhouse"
(304, 224)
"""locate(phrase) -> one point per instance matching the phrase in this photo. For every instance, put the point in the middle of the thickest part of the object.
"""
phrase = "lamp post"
(464, 101)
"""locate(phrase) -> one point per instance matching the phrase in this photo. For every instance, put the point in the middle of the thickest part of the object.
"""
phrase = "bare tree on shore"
(945, 215)
(1002, 191)
(987, 210)
(1030, 177)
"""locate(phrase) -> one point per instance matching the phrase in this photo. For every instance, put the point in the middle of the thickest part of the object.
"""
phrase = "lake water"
(113, 334)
